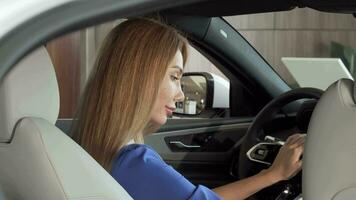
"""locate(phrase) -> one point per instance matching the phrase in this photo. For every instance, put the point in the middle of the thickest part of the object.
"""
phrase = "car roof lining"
(68, 18)
(214, 8)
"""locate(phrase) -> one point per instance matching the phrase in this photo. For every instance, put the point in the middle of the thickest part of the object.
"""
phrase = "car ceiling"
(48, 25)
(213, 8)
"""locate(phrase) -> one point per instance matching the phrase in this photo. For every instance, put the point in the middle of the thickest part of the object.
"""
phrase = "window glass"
(298, 44)
(74, 55)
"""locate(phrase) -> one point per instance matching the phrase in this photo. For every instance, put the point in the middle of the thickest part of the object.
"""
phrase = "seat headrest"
(330, 145)
(30, 89)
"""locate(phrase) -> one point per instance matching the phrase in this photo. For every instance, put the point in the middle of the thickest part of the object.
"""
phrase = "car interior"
(41, 161)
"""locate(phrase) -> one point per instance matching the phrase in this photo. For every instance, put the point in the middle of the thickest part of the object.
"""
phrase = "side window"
(207, 90)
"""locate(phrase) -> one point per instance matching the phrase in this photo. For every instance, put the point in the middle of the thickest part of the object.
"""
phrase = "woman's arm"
(145, 176)
(286, 165)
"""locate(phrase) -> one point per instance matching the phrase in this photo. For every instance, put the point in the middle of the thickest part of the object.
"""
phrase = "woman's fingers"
(291, 139)
(300, 141)
(295, 140)
(298, 151)
(297, 148)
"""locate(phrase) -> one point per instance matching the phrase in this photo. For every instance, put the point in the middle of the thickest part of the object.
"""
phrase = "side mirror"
(203, 91)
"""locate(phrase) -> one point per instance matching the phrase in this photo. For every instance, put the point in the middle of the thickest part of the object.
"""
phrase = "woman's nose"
(180, 95)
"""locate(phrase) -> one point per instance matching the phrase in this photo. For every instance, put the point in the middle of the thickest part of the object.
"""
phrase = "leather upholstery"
(329, 161)
(37, 160)
(29, 89)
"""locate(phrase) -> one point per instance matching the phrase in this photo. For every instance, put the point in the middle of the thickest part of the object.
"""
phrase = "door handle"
(181, 145)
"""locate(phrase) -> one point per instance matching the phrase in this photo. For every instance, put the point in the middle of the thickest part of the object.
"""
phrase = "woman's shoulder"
(138, 151)
(140, 163)
(137, 155)
(136, 148)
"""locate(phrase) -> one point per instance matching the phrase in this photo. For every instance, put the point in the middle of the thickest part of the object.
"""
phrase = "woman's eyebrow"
(179, 68)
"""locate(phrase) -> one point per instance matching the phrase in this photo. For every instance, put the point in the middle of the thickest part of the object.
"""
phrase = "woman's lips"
(169, 110)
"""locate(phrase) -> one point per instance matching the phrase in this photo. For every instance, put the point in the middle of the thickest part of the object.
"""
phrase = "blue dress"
(145, 176)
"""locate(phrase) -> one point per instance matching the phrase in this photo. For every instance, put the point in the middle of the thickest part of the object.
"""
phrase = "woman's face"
(170, 91)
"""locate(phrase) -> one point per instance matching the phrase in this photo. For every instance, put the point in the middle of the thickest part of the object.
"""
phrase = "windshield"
(307, 48)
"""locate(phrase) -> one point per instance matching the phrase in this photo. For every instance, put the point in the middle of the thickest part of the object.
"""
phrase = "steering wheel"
(255, 133)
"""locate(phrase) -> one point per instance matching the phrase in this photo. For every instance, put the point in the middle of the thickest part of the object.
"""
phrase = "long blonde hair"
(121, 91)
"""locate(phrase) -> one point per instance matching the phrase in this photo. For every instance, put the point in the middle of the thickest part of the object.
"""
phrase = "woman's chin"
(159, 121)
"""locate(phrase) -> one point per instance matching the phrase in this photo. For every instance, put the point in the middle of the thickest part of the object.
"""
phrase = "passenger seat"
(37, 160)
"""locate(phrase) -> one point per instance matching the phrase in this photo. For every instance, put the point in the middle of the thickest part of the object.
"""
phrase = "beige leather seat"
(329, 161)
(37, 160)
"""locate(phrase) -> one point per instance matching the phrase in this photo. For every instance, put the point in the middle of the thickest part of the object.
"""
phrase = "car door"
(201, 149)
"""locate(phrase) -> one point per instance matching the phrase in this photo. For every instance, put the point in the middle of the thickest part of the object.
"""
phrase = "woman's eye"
(174, 78)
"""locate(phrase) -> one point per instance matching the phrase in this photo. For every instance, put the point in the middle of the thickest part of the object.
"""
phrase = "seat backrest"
(329, 161)
(37, 160)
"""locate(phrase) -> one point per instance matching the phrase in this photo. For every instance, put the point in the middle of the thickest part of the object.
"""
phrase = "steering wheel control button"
(261, 152)
(264, 152)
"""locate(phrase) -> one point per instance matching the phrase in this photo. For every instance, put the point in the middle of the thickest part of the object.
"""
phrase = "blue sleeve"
(144, 175)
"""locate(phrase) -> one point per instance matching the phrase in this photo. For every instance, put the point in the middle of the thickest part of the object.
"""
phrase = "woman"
(132, 91)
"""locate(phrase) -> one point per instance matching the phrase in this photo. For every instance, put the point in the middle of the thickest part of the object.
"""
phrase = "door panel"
(202, 154)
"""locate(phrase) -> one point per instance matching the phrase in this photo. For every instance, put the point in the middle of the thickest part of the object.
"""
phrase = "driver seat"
(329, 161)
(37, 160)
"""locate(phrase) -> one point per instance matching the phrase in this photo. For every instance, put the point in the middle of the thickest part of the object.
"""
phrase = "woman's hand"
(287, 163)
